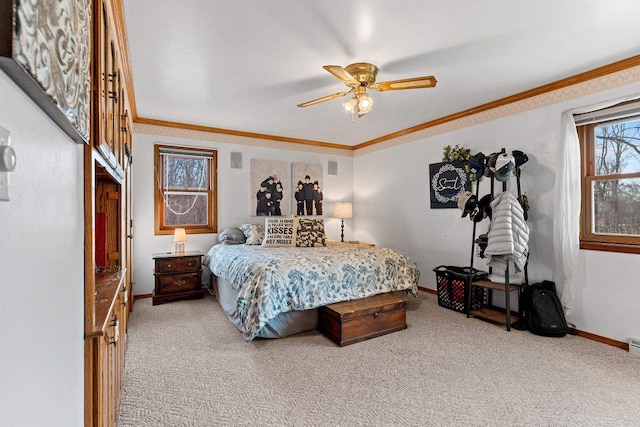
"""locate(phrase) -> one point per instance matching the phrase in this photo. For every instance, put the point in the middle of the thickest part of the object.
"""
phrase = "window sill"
(170, 231)
(610, 247)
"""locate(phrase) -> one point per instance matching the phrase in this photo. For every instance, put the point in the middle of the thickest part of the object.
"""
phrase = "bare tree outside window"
(185, 189)
(616, 200)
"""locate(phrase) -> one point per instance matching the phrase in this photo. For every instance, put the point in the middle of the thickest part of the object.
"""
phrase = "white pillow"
(280, 232)
(253, 232)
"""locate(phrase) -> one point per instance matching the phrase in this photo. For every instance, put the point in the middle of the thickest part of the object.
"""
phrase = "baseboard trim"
(428, 290)
(572, 331)
(142, 296)
(600, 339)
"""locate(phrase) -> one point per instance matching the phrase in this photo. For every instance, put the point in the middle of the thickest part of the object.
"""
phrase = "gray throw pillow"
(231, 236)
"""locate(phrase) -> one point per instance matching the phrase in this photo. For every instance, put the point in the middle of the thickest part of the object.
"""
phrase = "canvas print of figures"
(269, 184)
(307, 189)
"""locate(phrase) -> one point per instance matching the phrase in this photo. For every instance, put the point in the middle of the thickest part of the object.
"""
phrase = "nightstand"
(178, 276)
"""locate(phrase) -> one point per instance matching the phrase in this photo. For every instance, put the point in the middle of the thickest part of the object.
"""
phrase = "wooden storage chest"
(350, 322)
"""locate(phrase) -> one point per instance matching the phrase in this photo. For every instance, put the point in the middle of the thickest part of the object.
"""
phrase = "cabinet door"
(101, 77)
(105, 387)
(109, 101)
(128, 227)
(114, 101)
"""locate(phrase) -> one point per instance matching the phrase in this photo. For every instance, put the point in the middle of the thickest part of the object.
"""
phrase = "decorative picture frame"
(45, 48)
(278, 186)
(447, 182)
(307, 200)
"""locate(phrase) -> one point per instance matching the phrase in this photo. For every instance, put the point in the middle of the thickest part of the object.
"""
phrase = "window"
(185, 189)
(610, 146)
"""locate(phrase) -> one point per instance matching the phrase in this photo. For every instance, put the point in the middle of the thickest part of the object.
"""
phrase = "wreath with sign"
(438, 186)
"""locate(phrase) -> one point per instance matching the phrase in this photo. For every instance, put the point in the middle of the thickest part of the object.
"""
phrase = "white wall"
(234, 196)
(41, 271)
(392, 202)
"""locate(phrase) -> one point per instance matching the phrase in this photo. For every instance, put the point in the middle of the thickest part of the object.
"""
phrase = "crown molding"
(608, 77)
(182, 130)
(613, 75)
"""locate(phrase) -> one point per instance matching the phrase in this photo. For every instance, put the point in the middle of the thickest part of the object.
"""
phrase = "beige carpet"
(186, 365)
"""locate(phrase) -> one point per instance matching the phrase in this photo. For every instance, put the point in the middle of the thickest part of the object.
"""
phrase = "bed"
(272, 292)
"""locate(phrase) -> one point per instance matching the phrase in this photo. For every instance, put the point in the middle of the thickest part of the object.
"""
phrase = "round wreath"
(434, 182)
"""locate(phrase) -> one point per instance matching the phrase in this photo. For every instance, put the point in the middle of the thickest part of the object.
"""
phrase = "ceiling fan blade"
(414, 83)
(324, 98)
(342, 74)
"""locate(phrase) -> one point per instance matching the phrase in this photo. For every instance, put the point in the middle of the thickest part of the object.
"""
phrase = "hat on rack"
(467, 203)
(482, 241)
(519, 157)
(484, 209)
(476, 164)
(504, 165)
(491, 165)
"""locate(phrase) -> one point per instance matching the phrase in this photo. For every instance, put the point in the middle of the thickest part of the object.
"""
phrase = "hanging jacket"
(508, 236)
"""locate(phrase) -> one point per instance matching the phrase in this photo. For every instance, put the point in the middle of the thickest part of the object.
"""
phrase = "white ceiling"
(245, 65)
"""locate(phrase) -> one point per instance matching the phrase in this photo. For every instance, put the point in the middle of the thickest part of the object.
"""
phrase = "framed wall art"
(307, 191)
(269, 185)
(447, 182)
(45, 48)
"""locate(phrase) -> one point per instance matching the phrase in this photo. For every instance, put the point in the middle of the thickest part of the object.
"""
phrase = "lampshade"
(179, 235)
(343, 210)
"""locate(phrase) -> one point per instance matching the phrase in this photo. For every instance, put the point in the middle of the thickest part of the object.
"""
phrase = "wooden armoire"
(108, 222)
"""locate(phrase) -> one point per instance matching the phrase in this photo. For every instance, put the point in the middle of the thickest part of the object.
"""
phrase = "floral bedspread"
(271, 281)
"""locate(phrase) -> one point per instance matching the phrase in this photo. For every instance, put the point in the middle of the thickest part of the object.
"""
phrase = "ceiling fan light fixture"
(365, 104)
(350, 104)
(362, 76)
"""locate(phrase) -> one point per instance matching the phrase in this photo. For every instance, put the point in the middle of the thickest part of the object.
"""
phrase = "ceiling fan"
(362, 76)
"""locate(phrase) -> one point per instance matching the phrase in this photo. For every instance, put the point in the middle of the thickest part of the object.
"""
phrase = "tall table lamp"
(179, 236)
(342, 210)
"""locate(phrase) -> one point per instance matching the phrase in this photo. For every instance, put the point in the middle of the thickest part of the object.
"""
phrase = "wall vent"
(634, 346)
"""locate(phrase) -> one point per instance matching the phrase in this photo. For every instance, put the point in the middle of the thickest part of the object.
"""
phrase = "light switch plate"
(5, 134)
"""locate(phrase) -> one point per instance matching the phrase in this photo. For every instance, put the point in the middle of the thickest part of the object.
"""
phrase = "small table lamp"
(179, 236)
(342, 210)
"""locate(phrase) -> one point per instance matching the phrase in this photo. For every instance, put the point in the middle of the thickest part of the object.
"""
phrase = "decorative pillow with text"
(280, 232)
